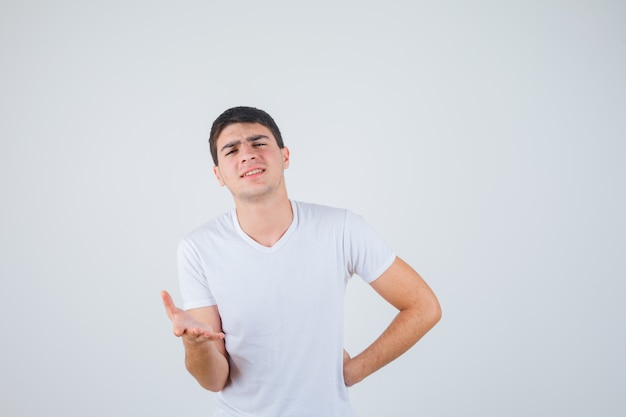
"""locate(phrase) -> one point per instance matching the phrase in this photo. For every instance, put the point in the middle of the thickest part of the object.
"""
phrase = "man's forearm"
(404, 331)
(207, 364)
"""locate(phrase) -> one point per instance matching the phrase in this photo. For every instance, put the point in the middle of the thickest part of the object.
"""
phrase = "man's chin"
(253, 196)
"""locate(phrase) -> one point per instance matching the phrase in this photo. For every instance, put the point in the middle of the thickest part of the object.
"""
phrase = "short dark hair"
(242, 114)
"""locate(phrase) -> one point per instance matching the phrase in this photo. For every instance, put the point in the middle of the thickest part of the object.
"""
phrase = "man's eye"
(259, 144)
(230, 152)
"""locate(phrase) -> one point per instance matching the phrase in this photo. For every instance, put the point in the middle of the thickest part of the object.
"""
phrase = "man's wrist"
(352, 372)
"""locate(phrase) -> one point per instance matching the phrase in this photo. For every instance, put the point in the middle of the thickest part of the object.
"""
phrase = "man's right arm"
(205, 352)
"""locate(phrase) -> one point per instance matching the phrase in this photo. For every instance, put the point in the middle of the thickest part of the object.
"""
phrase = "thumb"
(168, 303)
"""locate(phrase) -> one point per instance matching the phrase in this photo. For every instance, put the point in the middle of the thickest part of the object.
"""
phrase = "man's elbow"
(435, 312)
(210, 381)
(430, 312)
(212, 384)
(213, 387)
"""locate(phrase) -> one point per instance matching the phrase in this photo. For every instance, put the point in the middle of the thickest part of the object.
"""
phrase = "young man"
(263, 287)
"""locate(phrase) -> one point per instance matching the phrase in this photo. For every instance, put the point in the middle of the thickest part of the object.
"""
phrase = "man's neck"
(265, 221)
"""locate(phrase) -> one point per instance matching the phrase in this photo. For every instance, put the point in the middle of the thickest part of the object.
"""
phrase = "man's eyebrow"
(230, 144)
(256, 137)
(236, 142)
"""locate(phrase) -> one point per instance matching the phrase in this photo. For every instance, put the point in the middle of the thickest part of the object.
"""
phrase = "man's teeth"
(254, 171)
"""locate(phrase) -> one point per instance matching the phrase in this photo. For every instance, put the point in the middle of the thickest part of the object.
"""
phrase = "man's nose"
(248, 153)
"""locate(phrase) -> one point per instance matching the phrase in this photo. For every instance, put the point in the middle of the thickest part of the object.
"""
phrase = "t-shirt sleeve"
(368, 255)
(193, 283)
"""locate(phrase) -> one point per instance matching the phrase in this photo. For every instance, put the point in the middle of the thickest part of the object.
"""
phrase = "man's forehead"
(241, 131)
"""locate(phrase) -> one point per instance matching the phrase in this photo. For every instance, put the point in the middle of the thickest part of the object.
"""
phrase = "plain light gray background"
(483, 140)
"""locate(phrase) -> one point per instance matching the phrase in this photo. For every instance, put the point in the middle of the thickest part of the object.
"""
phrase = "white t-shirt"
(282, 307)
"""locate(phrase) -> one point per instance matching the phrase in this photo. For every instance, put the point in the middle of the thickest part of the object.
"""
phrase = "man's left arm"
(419, 311)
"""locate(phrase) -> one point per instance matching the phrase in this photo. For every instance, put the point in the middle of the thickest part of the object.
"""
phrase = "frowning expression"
(250, 163)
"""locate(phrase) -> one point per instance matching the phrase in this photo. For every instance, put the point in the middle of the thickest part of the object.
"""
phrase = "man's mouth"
(253, 172)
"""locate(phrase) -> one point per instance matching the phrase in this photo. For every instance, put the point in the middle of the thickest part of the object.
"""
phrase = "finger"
(211, 335)
(206, 334)
(170, 307)
(179, 331)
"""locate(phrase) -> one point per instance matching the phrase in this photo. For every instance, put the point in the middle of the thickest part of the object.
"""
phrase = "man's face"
(250, 163)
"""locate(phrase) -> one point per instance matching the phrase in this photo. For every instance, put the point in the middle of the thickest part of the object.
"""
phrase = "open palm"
(184, 325)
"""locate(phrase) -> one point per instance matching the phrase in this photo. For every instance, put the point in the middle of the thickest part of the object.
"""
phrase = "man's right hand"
(185, 326)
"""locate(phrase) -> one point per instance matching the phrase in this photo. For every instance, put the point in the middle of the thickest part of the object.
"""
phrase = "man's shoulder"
(320, 217)
(306, 210)
(217, 225)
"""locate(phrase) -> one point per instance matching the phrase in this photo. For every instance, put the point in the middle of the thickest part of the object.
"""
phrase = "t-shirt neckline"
(276, 246)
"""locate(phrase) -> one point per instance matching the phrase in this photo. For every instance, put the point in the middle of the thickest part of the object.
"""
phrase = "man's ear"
(285, 151)
(216, 171)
